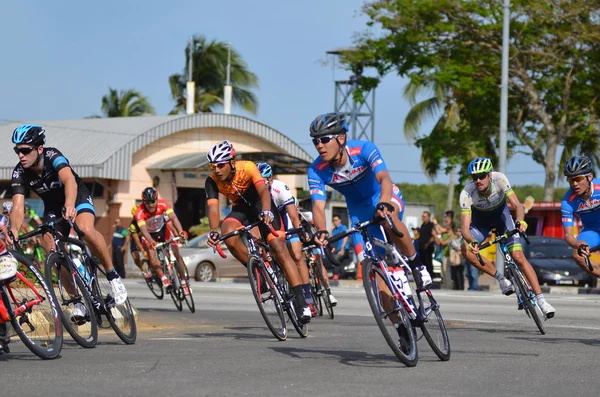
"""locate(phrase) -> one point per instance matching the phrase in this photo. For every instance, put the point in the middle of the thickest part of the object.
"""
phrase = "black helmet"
(328, 124)
(149, 194)
(577, 165)
(29, 134)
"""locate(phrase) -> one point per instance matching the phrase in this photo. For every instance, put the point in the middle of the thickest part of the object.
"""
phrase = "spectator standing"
(426, 240)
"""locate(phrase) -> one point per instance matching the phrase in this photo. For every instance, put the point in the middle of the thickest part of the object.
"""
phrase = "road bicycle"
(168, 261)
(525, 295)
(272, 292)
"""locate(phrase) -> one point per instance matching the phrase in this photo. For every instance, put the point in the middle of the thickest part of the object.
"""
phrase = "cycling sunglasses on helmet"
(323, 139)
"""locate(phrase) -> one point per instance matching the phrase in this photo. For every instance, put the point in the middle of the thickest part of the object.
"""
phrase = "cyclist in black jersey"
(47, 172)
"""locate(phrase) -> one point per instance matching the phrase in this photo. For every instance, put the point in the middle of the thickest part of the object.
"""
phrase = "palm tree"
(125, 103)
(210, 74)
(448, 121)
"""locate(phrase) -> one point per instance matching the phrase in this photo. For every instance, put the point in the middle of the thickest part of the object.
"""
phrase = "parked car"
(204, 264)
(552, 260)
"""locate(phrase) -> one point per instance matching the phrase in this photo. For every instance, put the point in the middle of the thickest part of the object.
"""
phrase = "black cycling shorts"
(245, 215)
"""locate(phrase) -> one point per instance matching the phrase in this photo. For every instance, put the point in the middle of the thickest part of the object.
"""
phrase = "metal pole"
(228, 62)
(503, 110)
(190, 62)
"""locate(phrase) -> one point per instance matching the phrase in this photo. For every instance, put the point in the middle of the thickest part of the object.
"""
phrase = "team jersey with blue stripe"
(587, 211)
(355, 181)
(48, 186)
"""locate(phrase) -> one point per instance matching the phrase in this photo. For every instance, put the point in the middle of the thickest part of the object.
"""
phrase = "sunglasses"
(577, 179)
(218, 165)
(150, 202)
(23, 150)
(323, 139)
(477, 177)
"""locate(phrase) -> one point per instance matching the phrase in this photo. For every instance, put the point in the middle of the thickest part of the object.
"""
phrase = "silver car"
(204, 264)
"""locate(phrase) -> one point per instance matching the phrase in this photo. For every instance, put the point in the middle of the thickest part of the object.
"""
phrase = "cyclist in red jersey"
(152, 217)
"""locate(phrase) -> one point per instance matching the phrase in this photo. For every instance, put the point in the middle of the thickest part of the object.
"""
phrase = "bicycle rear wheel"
(289, 298)
(154, 283)
(34, 310)
(267, 298)
(433, 326)
(394, 324)
(314, 291)
(175, 287)
(528, 299)
(324, 290)
(189, 298)
(121, 318)
(70, 291)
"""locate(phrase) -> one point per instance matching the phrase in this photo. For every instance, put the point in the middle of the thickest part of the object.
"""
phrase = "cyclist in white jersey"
(286, 205)
(483, 208)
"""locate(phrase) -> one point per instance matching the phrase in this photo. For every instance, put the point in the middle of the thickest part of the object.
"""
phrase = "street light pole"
(503, 110)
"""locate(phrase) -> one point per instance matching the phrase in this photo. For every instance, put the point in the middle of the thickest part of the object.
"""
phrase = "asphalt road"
(224, 349)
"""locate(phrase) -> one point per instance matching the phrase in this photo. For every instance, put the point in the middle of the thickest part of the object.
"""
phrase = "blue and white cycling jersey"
(587, 211)
(356, 181)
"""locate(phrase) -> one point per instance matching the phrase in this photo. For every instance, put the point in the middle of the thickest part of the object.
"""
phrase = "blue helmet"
(481, 165)
(265, 170)
(29, 134)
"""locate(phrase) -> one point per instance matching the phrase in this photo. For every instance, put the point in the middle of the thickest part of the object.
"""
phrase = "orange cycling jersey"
(154, 221)
(240, 188)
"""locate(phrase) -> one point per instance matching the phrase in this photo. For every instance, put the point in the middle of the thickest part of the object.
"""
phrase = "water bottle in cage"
(270, 271)
(81, 269)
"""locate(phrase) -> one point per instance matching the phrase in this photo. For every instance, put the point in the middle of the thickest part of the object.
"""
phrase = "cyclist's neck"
(342, 160)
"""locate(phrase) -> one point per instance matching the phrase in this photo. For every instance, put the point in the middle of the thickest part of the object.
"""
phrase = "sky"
(60, 58)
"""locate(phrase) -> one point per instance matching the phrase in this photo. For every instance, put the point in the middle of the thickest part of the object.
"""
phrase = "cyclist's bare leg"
(235, 245)
(323, 270)
(180, 264)
(580, 260)
(94, 240)
(137, 259)
(489, 268)
(280, 252)
(154, 262)
(527, 270)
(295, 250)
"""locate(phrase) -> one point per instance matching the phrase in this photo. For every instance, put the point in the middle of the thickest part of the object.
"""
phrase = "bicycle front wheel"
(267, 298)
(433, 325)
(527, 297)
(316, 295)
(34, 310)
(72, 298)
(390, 315)
(289, 297)
(189, 298)
(121, 318)
(324, 290)
(154, 283)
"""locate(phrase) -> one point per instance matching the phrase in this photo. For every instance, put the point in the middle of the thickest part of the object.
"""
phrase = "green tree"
(209, 72)
(554, 72)
(125, 103)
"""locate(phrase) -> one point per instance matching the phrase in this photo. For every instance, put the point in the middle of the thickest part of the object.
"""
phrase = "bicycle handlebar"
(164, 243)
(359, 226)
(501, 238)
(237, 232)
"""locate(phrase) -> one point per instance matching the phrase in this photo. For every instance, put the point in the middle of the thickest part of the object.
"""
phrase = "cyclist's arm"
(292, 211)
(318, 210)
(212, 202)
(68, 179)
(318, 197)
(173, 218)
(144, 231)
(265, 196)
(568, 221)
(465, 201)
(17, 214)
(514, 201)
(570, 237)
(383, 177)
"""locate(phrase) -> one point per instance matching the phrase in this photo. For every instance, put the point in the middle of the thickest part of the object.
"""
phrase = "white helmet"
(307, 215)
(221, 152)
(7, 207)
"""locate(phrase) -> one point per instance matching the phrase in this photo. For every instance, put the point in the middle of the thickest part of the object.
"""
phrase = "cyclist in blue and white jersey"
(483, 208)
(583, 200)
(357, 170)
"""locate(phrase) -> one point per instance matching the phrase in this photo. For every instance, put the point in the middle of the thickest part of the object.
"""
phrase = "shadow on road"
(348, 357)
(545, 339)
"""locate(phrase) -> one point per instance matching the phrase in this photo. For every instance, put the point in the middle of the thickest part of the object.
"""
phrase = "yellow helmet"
(133, 210)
